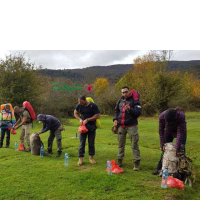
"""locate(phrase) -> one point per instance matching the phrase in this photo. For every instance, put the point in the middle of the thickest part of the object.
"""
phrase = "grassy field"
(24, 176)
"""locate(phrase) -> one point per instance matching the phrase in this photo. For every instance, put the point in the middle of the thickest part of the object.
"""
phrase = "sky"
(72, 59)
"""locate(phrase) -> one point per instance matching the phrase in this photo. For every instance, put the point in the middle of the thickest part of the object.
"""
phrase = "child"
(7, 120)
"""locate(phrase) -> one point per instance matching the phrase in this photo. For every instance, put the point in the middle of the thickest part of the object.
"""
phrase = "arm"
(77, 116)
(161, 133)
(117, 111)
(136, 110)
(22, 123)
(17, 122)
(181, 133)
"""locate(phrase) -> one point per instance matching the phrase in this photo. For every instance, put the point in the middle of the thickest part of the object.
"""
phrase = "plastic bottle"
(16, 146)
(66, 159)
(76, 135)
(42, 151)
(109, 167)
(164, 178)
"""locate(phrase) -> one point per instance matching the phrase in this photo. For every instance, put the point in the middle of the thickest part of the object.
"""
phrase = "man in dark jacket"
(127, 111)
(172, 125)
(53, 124)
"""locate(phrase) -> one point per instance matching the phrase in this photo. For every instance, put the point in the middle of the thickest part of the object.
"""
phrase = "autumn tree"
(100, 86)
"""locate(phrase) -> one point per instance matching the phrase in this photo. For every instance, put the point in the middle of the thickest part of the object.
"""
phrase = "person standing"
(127, 110)
(89, 114)
(7, 120)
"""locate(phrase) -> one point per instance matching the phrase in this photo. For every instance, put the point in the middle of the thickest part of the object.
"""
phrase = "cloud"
(71, 59)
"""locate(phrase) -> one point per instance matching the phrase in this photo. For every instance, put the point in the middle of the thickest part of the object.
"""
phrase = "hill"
(114, 72)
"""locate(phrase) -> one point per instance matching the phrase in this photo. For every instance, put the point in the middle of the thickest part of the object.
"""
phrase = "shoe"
(21, 148)
(92, 161)
(7, 146)
(80, 161)
(27, 150)
(156, 172)
(1, 146)
(59, 154)
(136, 166)
(119, 163)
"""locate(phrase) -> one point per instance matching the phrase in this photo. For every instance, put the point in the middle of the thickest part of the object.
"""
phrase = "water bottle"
(109, 167)
(16, 146)
(66, 159)
(164, 178)
(76, 135)
(42, 151)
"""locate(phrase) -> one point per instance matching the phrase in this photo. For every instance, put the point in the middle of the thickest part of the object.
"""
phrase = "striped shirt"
(176, 130)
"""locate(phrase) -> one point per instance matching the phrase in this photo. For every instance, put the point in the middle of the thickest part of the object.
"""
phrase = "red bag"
(175, 183)
(14, 132)
(82, 129)
(115, 168)
(28, 107)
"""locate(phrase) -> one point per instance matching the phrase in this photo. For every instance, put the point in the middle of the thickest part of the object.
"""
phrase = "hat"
(114, 129)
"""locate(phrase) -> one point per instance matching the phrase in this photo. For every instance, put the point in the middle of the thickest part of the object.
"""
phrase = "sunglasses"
(125, 92)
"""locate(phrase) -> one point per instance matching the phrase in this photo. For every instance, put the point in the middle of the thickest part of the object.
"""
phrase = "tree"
(100, 86)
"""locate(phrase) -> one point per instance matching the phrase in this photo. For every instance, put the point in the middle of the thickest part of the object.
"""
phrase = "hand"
(39, 133)
(81, 122)
(127, 107)
(85, 121)
(178, 153)
(16, 127)
(115, 123)
(162, 149)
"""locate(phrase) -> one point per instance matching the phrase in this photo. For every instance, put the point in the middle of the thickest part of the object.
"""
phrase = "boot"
(119, 163)
(28, 149)
(80, 161)
(7, 146)
(21, 148)
(59, 154)
(156, 172)
(92, 161)
(136, 166)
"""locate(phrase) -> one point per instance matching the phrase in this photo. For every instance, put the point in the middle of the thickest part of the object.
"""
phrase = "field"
(24, 176)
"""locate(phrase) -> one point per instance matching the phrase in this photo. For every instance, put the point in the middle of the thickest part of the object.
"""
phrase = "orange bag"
(115, 168)
(175, 183)
(82, 129)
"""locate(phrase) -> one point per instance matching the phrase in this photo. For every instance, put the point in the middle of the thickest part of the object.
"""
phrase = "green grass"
(24, 176)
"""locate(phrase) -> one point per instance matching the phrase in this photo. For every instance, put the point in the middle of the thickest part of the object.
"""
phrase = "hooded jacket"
(50, 122)
(8, 117)
(125, 117)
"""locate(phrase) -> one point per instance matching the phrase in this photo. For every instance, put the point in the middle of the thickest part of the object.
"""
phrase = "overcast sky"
(71, 59)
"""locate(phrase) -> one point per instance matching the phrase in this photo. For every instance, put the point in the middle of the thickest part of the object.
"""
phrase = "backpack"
(11, 108)
(29, 108)
(35, 143)
(180, 167)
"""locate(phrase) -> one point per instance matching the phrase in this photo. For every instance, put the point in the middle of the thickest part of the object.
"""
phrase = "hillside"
(114, 72)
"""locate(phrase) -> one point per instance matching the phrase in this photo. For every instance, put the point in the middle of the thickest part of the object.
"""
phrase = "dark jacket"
(50, 122)
(124, 117)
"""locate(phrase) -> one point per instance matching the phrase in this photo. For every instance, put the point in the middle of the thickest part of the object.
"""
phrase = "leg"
(81, 150)
(22, 134)
(3, 131)
(58, 141)
(8, 138)
(27, 136)
(91, 146)
(122, 141)
(50, 141)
